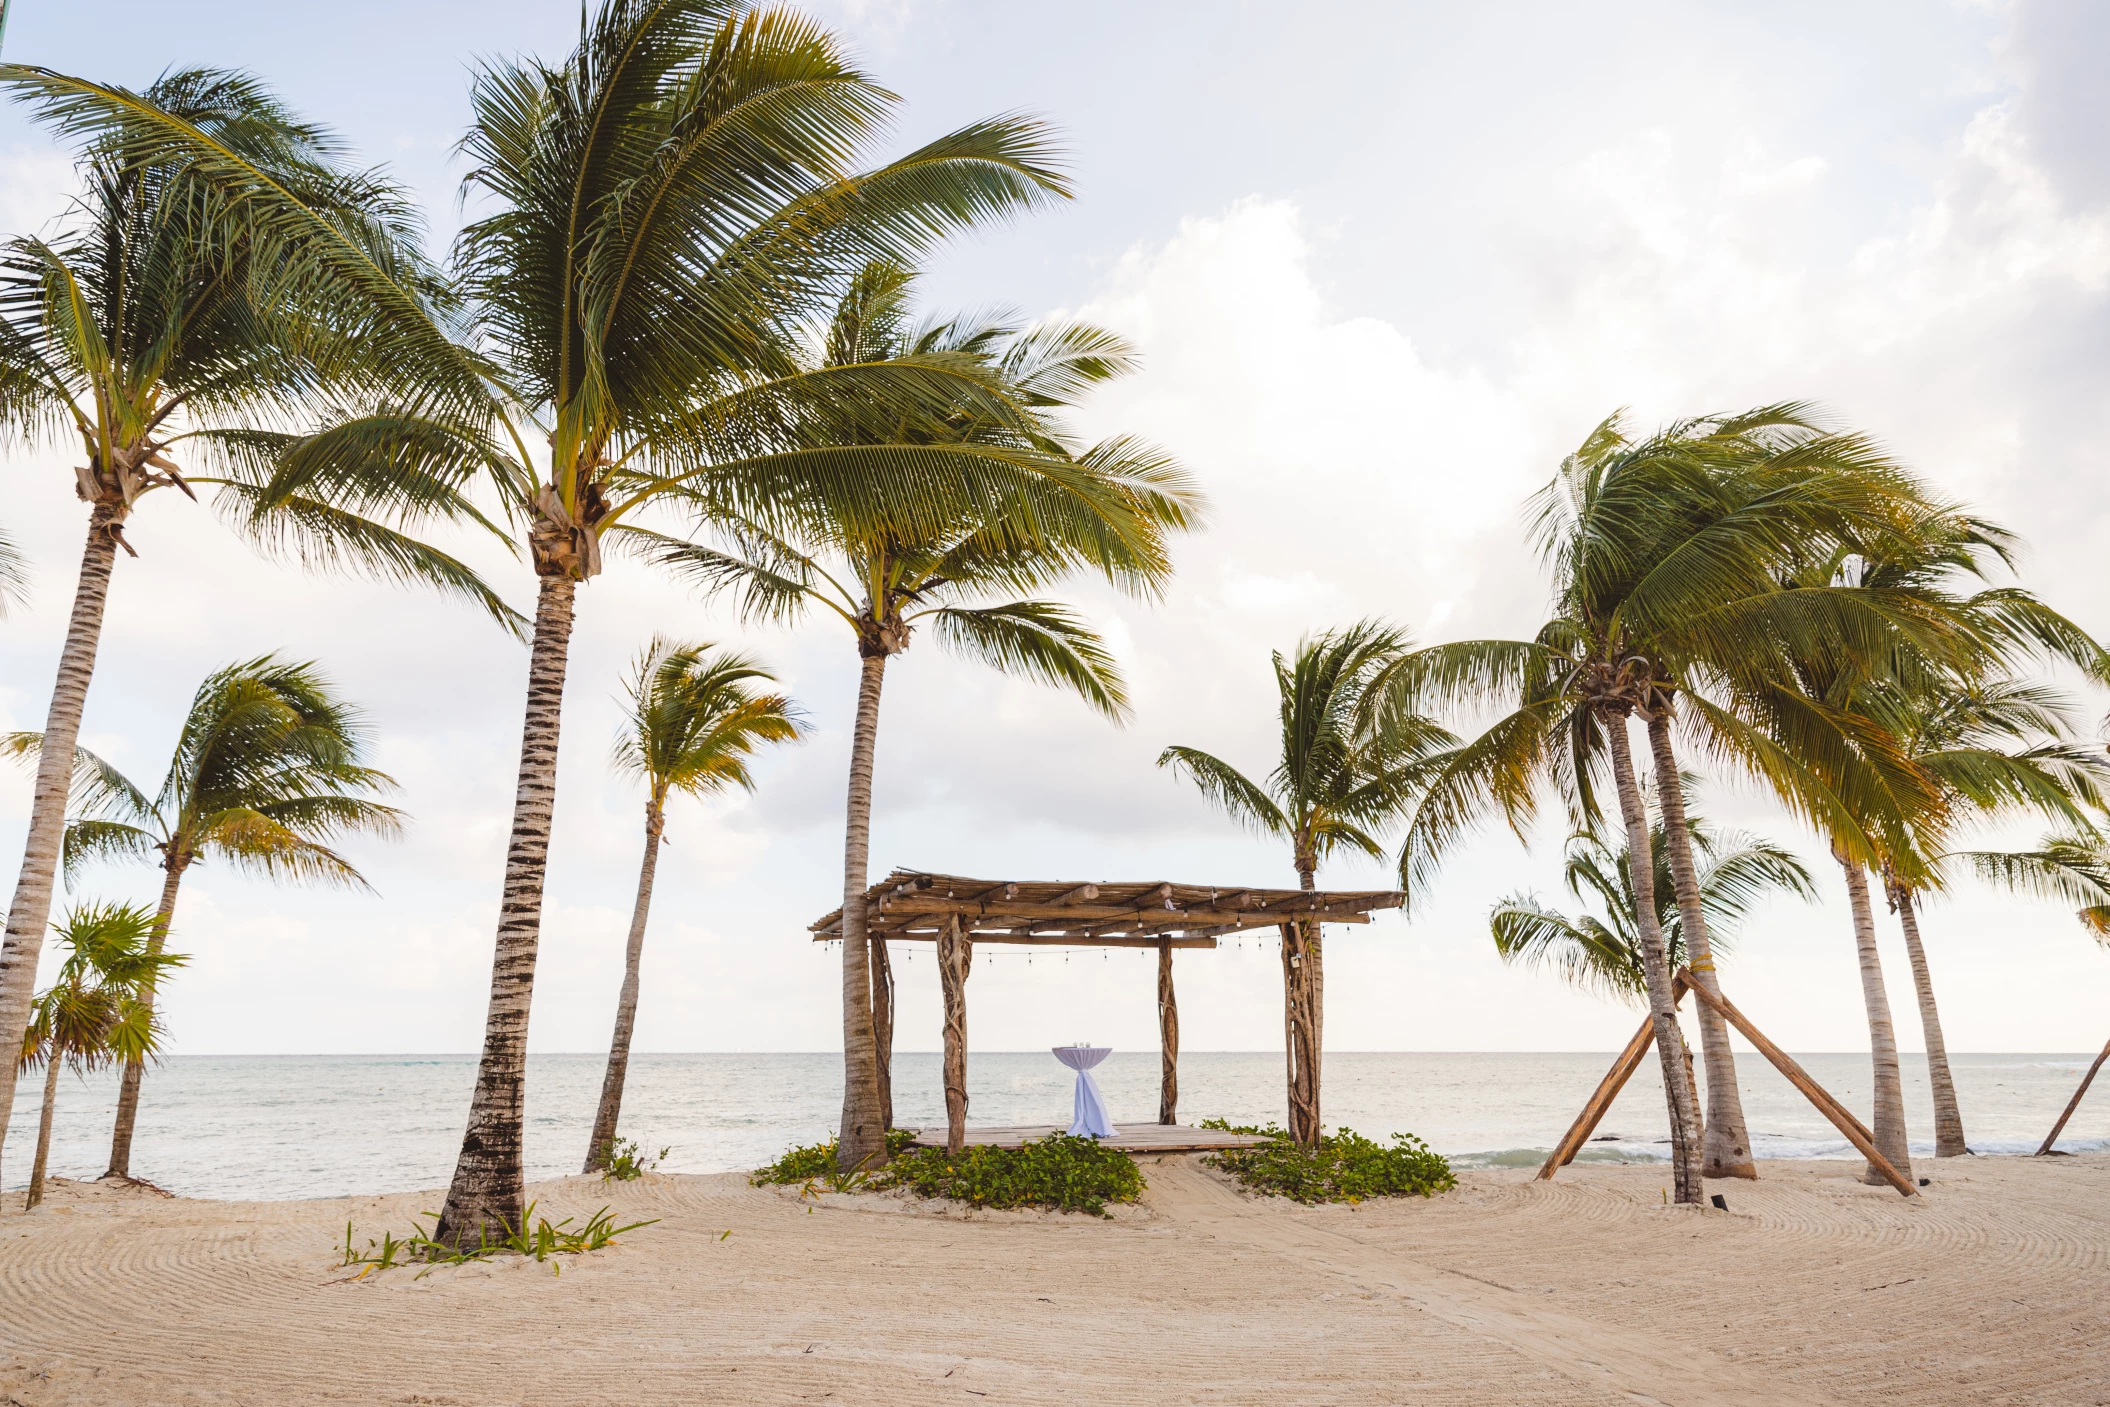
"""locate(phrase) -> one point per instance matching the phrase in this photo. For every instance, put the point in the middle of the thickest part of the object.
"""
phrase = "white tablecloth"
(1090, 1120)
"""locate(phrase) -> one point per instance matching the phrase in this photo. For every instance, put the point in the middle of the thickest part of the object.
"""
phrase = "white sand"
(1991, 1288)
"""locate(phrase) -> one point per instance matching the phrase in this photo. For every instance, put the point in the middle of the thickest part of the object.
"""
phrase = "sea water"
(258, 1126)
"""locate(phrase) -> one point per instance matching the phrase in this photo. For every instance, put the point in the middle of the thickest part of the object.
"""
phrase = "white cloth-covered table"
(1090, 1120)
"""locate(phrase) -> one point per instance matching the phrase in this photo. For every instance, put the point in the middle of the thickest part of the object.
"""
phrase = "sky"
(1384, 264)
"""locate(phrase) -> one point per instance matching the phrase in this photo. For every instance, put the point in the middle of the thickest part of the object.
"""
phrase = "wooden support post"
(882, 969)
(1841, 1117)
(1608, 1088)
(955, 958)
(1168, 1038)
(2074, 1103)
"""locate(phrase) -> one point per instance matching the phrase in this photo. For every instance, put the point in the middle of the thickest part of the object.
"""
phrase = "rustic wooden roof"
(914, 905)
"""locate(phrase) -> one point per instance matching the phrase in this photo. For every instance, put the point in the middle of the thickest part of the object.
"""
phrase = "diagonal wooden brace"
(1608, 1088)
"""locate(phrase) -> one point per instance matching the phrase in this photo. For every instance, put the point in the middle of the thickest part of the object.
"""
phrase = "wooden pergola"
(954, 913)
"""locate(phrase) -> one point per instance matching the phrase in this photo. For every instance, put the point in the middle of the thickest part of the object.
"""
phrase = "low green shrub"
(627, 1162)
(1068, 1174)
(1061, 1172)
(815, 1162)
(1345, 1167)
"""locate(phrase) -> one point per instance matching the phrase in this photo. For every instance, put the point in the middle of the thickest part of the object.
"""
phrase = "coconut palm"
(1667, 554)
(1995, 747)
(222, 268)
(268, 771)
(1017, 506)
(694, 722)
(14, 574)
(1601, 952)
(1338, 784)
(1942, 715)
(100, 1011)
(666, 211)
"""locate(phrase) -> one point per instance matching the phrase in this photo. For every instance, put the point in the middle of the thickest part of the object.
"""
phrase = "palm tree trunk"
(128, 1084)
(1948, 1119)
(51, 1103)
(1301, 986)
(30, 911)
(1663, 1010)
(1725, 1145)
(883, 1026)
(485, 1200)
(1889, 1122)
(601, 1142)
(862, 1137)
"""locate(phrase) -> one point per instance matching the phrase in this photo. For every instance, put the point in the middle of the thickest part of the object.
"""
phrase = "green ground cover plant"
(1343, 1167)
(1064, 1173)
(540, 1238)
(627, 1162)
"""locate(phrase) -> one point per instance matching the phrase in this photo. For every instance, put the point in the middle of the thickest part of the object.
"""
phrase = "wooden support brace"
(1841, 1117)
(2074, 1103)
(1608, 1088)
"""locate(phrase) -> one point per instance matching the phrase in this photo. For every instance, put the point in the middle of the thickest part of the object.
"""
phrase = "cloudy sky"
(1386, 263)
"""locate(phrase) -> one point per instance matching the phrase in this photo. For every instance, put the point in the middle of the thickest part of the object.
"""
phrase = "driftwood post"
(1300, 950)
(1608, 1088)
(1841, 1118)
(1168, 1038)
(955, 958)
(883, 1024)
(2074, 1103)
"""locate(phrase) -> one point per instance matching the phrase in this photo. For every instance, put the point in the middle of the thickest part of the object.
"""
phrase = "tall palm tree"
(1019, 506)
(1915, 707)
(694, 723)
(1602, 954)
(268, 771)
(1338, 784)
(1995, 747)
(2070, 868)
(668, 210)
(1667, 553)
(100, 1011)
(222, 269)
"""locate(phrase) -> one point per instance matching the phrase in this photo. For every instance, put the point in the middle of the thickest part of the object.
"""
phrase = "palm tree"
(1994, 747)
(1337, 785)
(268, 771)
(694, 723)
(1940, 716)
(100, 1011)
(2070, 868)
(668, 209)
(1019, 506)
(221, 270)
(1603, 954)
(1666, 554)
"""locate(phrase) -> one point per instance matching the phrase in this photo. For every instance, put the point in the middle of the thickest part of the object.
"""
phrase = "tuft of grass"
(627, 1163)
(1345, 1167)
(535, 1236)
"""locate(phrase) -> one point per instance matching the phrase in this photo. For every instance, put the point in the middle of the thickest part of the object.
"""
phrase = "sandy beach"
(1811, 1289)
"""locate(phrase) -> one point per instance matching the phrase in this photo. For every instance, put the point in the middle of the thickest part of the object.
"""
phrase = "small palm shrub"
(1344, 1167)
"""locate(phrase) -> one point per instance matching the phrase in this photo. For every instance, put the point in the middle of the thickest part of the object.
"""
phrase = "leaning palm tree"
(268, 772)
(694, 722)
(222, 269)
(1014, 505)
(1601, 952)
(100, 1011)
(1995, 748)
(668, 209)
(1666, 553)
(1337, 785)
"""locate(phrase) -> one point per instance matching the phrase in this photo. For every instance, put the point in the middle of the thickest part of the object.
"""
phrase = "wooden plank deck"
(1128, 1138)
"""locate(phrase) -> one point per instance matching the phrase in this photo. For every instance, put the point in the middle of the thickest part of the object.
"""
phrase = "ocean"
(261, 1126)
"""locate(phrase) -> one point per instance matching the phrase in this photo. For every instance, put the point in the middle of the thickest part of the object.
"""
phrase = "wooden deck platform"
(1129, 1138)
